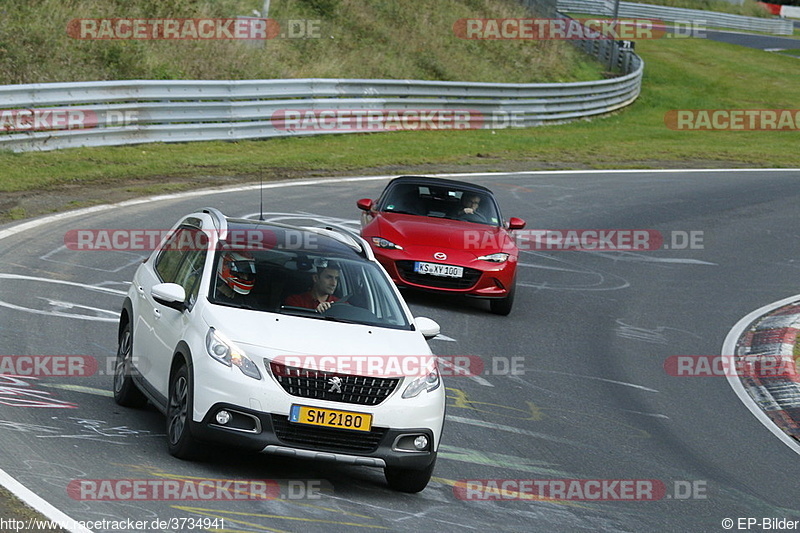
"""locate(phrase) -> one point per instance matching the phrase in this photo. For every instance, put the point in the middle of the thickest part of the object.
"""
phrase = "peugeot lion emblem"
(336, 384)
(441, 256)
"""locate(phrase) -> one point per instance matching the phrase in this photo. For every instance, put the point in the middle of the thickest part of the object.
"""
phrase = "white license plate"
(436, 269)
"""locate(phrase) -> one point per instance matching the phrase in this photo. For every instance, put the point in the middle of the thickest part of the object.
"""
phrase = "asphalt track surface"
(752, 40)
(593, 330)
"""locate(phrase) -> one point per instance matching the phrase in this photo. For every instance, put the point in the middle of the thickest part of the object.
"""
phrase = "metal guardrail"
(675, 14)
(131, 112)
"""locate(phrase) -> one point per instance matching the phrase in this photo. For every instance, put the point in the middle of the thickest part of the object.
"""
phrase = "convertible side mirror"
(365, 204)
(515, 223)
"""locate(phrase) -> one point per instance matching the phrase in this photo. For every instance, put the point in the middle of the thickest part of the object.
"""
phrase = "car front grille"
(316, 384)
(327, 439)
(469, 279)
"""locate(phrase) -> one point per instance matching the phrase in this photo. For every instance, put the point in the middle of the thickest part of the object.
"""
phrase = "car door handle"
(156, 313)
(140, 290)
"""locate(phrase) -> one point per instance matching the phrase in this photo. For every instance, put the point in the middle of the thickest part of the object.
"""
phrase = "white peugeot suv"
(283, 340)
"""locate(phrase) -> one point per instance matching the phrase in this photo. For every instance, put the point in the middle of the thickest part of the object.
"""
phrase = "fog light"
(223, 417)
(421, 442)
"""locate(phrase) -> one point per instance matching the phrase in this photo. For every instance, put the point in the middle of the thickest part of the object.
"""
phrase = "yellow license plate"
(330, 418)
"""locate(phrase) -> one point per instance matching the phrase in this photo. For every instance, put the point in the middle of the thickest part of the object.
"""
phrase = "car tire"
(502, 306)
(407, 479)
(182, 444)
(126, 393)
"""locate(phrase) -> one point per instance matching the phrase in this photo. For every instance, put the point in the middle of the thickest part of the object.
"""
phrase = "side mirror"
(170, 295)
(515, 223)
(365, 204)
(427, 327)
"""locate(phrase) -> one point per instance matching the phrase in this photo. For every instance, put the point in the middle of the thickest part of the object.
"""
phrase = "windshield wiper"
(343, 320)
(237, 305)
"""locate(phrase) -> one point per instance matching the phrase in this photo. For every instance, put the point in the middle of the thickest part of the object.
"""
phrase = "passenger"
(236, 275)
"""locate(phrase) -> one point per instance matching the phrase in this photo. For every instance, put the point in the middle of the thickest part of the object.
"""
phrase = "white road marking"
(137, 258)
(39, 504)
(615, 382)
(641, 258)
(58, 305)
(79, 388)
(654, 415)
(512, 429)
(655, 335)
(62, 282)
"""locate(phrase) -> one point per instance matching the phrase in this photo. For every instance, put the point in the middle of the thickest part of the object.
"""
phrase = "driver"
(320, 297)
(469, 204)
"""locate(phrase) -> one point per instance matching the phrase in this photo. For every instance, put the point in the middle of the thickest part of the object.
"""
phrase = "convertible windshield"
(437, 201)
(296, 281)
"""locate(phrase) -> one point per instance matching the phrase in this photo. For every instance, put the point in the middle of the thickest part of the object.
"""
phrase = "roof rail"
(220, 221)
(343, 235)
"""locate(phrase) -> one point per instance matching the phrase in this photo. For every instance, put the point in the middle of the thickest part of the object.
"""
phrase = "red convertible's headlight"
(495, 258)
(380, 242)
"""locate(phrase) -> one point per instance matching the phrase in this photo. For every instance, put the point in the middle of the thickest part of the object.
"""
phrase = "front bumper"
(271, 433)
(482, 279)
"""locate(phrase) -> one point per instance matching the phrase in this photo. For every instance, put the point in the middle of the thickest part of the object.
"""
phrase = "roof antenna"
(261, 199)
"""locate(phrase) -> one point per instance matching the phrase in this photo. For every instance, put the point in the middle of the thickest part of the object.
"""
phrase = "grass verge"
(13, 508)
(332, 39)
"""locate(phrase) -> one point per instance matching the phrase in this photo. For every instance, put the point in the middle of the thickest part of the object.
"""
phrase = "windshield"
(296, 282)
(438, 201)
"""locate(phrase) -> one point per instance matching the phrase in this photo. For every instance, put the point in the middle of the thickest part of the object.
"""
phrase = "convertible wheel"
(125, 391)
(179, 433)
(408, 480)
(503, 306)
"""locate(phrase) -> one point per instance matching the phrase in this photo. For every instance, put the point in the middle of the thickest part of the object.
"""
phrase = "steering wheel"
(474, 217)
(343, 300)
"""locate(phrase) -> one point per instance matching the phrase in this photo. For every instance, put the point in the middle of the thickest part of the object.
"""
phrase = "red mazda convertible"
(446, 236)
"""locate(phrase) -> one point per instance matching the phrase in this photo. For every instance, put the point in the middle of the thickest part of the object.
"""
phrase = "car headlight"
(499, 257)
(380, 242)
(226, 352)
(429, 382)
